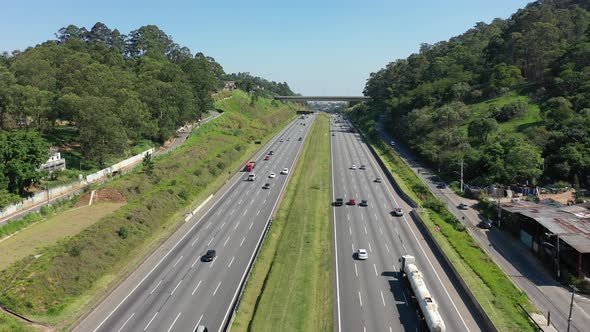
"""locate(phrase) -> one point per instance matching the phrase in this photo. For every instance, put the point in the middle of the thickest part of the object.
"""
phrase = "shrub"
(511, 110)
(123, 232)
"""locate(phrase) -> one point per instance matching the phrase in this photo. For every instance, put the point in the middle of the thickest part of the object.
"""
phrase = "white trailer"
(428, 306)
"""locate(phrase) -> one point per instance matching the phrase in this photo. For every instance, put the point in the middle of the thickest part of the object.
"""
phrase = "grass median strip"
(290, 288)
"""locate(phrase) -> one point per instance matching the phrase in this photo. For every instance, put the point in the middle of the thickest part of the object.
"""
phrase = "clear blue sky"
(318, 47)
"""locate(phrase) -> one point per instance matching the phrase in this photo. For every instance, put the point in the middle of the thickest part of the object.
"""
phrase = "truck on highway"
(250, 166)
(420, 294)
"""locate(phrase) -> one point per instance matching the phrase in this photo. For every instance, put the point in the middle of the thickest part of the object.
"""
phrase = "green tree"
(102, 135)
(481, 129)
(21, 154)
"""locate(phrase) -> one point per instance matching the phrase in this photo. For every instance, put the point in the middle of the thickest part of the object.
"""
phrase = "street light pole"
(461, 175)
(569, 318)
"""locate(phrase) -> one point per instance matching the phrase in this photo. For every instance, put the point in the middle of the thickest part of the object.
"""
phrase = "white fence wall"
(45, 195)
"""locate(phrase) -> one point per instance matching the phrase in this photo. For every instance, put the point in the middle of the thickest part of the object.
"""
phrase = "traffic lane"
(164, 267)
(451, 304)
(219, 291)
(117, 298)
(211, 298)
(375, 284)
(385, 253)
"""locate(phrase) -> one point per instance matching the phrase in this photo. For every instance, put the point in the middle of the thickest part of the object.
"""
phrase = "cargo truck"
(421, 295)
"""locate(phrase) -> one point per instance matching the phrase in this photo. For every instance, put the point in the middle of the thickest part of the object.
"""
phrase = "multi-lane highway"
(173, 290)
(370, 295)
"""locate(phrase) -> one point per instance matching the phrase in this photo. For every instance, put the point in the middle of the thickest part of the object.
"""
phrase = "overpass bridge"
(353, 99)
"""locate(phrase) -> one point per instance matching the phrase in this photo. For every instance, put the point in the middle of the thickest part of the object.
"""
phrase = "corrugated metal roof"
(572, 223)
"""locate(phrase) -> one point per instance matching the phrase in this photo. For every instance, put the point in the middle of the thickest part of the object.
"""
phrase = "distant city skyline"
(318, 48)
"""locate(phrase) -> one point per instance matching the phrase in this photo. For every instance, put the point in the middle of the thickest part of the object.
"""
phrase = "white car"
(361, 254)
(392, 143)
(272, 175)
(398, 212)
(353, 167)
(285, 171)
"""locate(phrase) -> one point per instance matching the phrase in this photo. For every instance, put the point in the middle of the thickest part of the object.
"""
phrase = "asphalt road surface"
(371, 296)
(173, 290)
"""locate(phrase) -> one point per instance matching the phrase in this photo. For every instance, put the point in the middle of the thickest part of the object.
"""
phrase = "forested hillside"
(247, 82)
(96, 94)
(511, 98)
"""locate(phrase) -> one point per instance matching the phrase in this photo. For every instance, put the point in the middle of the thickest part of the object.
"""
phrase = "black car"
(339, 202)
(266, 186)
(209, 256)
(486, 224)
(442, 185)
(364, 203)
(271, 152)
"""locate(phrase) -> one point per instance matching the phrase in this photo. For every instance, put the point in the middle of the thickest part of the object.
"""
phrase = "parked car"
(398, 212)
(463, 206)
(364, 203)
(352, 201)
(208, 256)
(362, 254)
(485, 224)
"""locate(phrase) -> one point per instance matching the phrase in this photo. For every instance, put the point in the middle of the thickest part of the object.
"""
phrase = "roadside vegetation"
(290, 288)
(493, 289)
(510, 98)
(55, 287)
(100, 96)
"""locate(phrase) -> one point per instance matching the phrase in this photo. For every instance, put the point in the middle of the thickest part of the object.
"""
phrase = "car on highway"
(300, 139)
(353, 166)
(398, 212)
(266, 186)
(267, 158)
(333, 134)
(271, 152)
(463, 206)
(378, 180)
(285, 171)
(364, 203)
(209, 256)
(339, 202)
(485, 224)
(441, 185)
(288, 139)
(281, 140)
(272, 175)
(362, 254)
(251, 177)
(363, 167)
(351, 201)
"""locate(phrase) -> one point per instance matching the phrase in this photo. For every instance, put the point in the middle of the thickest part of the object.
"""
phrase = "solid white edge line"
(372, 158)
(336, 242)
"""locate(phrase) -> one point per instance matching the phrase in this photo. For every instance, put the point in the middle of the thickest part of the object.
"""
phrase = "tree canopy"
(501, 72)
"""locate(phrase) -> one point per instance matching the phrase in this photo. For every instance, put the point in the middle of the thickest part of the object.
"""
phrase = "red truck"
(250, 166)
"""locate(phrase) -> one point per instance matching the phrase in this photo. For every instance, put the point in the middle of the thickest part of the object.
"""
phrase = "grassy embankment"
(69, 276)
(492, 287)
(290, 288)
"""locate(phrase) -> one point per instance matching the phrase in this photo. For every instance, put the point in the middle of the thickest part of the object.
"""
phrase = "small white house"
(55, 162)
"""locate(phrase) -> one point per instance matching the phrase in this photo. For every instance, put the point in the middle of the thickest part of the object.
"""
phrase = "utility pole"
(461, 175)
(559, 266)
(569, 319)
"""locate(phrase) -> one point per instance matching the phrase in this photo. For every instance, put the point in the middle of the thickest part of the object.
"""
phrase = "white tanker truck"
(428, 306)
